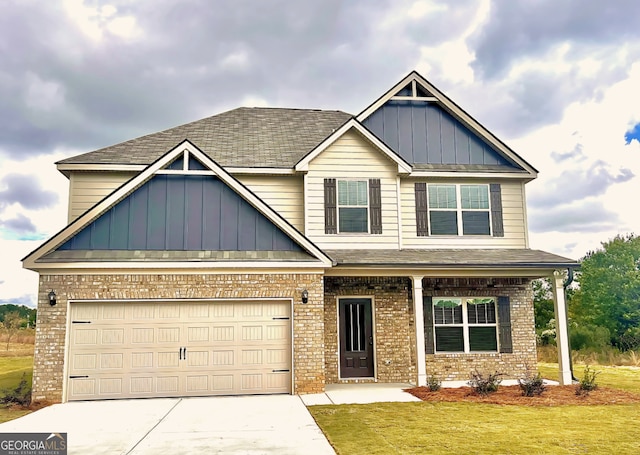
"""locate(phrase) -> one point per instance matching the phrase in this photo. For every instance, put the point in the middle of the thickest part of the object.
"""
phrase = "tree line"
(604, 304)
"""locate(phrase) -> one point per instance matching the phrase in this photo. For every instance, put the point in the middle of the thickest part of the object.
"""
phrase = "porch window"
(459, 210)
(465, 324)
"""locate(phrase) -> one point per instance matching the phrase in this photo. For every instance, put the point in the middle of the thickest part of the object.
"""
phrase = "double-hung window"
(465, 324)
(353, 206)
(459, 209)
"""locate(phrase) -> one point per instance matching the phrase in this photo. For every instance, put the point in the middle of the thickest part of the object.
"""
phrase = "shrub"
(21, 395)
(589, 337)
(532, 385)
(433, 383)
(587, 382)
(482, 385)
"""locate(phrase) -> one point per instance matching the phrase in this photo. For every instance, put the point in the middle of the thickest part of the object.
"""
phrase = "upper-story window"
(353, 206)
(459, 209)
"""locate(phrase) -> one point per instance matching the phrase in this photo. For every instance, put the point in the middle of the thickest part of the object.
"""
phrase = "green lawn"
(11, 371)
(476, 428)
(470, 428)
(625, 378)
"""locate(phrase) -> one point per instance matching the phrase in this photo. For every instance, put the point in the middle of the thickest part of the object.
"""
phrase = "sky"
(557, 80)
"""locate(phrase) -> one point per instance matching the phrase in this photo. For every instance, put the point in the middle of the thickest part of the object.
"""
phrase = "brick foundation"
(308, 319)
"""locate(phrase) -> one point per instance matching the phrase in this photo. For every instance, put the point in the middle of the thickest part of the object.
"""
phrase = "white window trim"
(465, 326)
(459, 210)
(338, 206)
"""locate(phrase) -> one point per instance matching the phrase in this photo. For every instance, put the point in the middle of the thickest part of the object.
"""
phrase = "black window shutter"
(496, 209)
(330, 217)
(427, 311)
(504, 325)
(422, 210)
(375, 206)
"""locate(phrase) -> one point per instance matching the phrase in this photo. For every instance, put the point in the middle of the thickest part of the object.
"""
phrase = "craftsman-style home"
(267, 250)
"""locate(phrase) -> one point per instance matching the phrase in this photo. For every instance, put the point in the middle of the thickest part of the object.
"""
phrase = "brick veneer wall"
(457, 367)
(308, 319)
(394, 331)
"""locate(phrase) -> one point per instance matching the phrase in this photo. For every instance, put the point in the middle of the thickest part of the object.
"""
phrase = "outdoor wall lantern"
(305, 296)
(52, 298)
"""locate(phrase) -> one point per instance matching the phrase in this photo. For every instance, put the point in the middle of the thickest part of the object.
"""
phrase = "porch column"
(419, 320)
(562, 334)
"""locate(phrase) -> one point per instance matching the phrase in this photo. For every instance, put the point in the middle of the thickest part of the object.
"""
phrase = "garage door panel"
(137, 349)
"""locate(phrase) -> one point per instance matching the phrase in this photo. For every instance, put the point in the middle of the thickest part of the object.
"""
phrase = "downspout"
(565, 285)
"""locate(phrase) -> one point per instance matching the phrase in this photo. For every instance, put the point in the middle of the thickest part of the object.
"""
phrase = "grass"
(617, 377)
(11, 370)
(477, 428)
(454, 428)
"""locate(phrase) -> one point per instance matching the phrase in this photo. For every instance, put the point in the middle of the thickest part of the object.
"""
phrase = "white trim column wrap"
(562, 334)
(418, 313)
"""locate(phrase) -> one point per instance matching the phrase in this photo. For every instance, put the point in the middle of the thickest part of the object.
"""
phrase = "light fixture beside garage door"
(305, 296)
(52, 298)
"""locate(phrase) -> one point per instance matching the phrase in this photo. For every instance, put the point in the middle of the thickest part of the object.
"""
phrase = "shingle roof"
(456, 258)
(243, 137)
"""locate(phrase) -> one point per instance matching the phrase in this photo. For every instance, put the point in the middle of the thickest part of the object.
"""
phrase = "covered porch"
(402, 285)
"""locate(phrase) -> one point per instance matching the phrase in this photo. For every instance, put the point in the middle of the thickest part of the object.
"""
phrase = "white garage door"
(134, 349)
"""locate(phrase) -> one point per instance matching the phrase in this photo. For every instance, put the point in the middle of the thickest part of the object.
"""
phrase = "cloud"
(20, 224)
(575, 155)
(517, 30)
(28, 300)
(25, 190)
(579, 217)
(576, 183)
(84, 87)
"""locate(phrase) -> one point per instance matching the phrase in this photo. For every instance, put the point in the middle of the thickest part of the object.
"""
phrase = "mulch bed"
(512, 395)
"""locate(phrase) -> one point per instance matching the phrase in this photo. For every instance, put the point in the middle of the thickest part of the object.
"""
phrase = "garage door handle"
(184, 354)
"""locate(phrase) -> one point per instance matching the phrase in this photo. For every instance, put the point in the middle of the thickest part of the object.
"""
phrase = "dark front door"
(356, 338)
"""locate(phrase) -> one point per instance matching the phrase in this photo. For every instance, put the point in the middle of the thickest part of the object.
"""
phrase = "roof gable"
(403, 166)
(152, 222)
(427, 129)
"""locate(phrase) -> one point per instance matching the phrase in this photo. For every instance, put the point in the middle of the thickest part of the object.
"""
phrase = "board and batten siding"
(86, 189)
(513, 215)
(284, 194)
(351, 157)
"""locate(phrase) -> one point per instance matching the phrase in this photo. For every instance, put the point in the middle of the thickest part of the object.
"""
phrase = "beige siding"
(88, 188)
(352, 157)
(513, 213)
(283, 193)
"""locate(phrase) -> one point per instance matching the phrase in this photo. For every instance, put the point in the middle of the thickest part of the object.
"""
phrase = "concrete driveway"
(232, 425)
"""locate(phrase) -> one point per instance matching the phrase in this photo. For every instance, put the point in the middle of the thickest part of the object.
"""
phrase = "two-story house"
(268, 250)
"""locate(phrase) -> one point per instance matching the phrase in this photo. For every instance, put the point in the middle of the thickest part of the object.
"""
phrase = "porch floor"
(360, 394)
